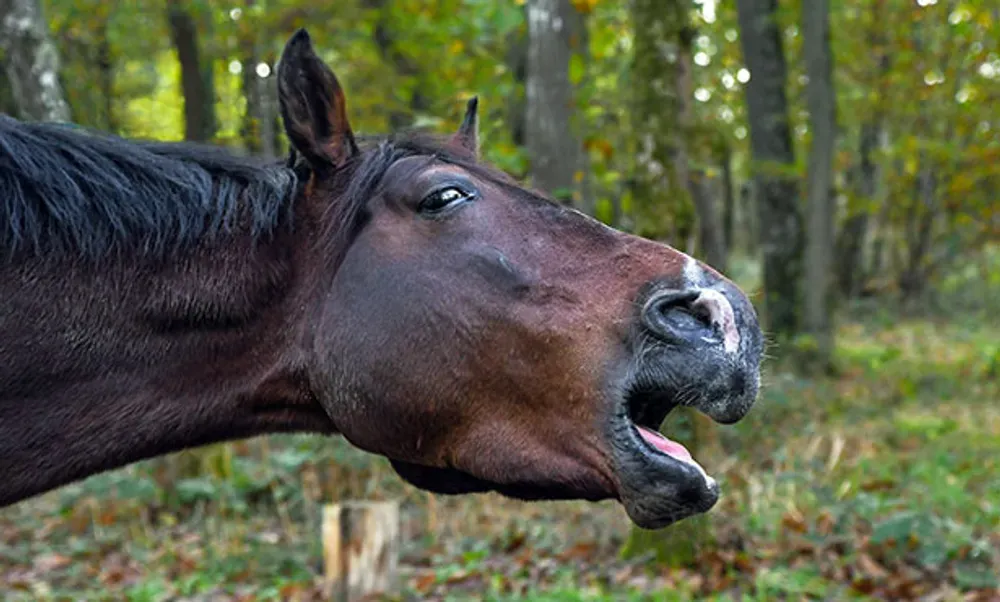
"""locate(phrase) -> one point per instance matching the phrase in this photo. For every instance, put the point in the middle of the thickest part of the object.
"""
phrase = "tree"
(555, 31)
(7, 104)
(773, 164)
(31, 62)
(728, 197)
(196, 78)
(258, 127)
(393, 53)
(661, 198)
(665, 184)
(865, 174)
(822, 101)
(711, 235)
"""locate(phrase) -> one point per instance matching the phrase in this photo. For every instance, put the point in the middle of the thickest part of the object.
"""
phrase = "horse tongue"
(671, 448)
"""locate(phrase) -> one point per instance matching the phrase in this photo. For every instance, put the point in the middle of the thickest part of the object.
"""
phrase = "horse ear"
(467, 135)
(312, 105)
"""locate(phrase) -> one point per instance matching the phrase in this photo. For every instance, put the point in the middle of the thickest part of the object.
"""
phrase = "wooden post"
(360, 549)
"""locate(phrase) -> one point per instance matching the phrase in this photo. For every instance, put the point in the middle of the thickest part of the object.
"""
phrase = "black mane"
(69, 191)
(73, 192)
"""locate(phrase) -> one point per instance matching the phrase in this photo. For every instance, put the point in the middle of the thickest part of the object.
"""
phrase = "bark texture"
(31, 62)
(665, 186)
(257, 129)
(554, 35)
(361, 550)
(773, 165)
(852, 269)
(196, 77)
(729, 200)
(710, 230)
(661, 200)
(821, 100)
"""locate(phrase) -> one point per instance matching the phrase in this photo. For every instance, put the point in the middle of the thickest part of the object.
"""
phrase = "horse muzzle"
(698, 346)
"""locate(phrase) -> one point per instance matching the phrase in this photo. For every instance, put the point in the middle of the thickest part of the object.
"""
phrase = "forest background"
(840, 160)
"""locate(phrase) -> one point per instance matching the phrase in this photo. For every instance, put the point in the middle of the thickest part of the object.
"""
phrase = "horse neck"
(101, 366)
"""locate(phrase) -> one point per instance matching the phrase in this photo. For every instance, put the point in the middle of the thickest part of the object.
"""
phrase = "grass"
(880, 483)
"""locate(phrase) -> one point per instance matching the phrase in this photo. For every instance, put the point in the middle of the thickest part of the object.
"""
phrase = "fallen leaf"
(794, 522)
(871, 568)
(51, 562)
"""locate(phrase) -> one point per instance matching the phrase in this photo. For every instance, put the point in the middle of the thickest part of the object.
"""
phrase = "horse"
(397, 291)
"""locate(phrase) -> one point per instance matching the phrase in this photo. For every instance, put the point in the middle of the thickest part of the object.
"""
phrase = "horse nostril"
(674, 315)
(692, 316)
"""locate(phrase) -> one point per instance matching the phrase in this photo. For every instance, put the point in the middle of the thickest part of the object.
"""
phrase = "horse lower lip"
(659, 482)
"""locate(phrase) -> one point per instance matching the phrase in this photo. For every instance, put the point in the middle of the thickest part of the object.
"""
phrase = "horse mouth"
(647, 411)
(659, 480)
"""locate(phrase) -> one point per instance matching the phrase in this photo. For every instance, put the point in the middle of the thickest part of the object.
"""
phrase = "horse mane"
(70, 191)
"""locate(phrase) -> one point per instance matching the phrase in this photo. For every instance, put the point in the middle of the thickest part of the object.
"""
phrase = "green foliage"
(932, 97)
(835, 487)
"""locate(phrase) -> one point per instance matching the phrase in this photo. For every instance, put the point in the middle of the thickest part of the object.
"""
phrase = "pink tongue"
(671, 448)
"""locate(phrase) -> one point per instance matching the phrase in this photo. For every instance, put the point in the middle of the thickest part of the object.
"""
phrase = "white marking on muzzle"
(693, 274)
(721, 312)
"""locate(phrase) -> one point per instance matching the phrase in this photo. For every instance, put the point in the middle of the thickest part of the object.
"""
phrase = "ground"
(878, 483)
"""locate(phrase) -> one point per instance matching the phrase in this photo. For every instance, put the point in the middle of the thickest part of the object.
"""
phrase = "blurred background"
(840, 160)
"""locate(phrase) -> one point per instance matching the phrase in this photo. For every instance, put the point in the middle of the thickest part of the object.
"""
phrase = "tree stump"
(360, 549)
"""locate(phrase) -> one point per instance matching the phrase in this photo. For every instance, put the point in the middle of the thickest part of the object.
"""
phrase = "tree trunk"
(272, 135)
(912, 280)
(391, 53)
(661, 206)
(750, 216)
(662, 118)
(554, 35)
(196, 78)
(920, 217)
(773, 165)
(850, 245)
(710, 231)
(822, 101)
(31, 62)
(360, 550)
(7, 104)
(256, 136)
(880, 227)
(852, 270)
(106, 67)
(517, 61)
(729, 201)
(250, 125)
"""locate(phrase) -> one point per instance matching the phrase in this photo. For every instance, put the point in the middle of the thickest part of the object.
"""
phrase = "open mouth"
(660, 482)
(647, 411)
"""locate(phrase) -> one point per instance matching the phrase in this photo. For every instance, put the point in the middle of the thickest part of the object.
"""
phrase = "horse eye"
(443, 198)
